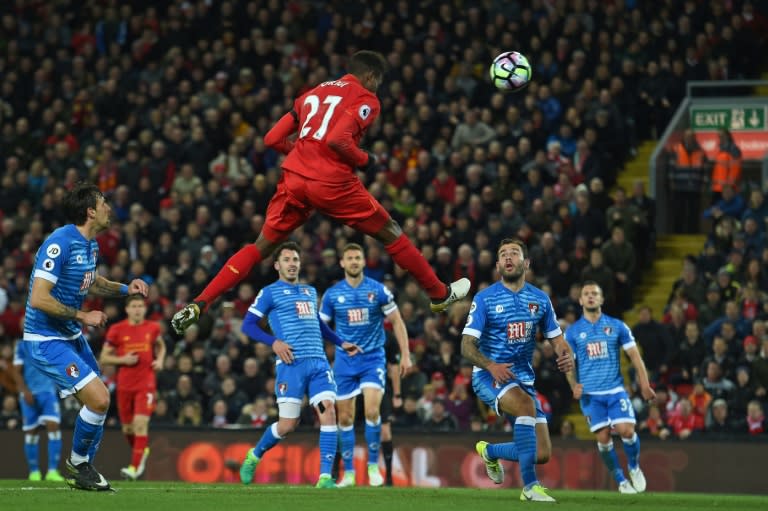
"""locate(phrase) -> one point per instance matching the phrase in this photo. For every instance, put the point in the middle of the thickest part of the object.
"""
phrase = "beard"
(592, 309)
(354, 273)
(514, 275)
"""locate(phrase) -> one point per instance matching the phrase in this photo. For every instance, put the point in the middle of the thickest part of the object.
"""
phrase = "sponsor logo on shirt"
(357, 316)
(597, 350)
(305, 310)
(518, 331)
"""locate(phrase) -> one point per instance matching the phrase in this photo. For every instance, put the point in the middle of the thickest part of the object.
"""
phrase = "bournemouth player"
(39, 407)
(357, 305)
(302, 368)
(136, 347)
(319, 175)
(596, 339)
(499, 338)
(64, 273)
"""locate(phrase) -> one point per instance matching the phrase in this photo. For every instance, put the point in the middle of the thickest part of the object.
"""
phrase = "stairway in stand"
(657, 281)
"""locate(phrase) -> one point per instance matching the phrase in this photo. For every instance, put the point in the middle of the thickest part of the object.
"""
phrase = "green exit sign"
(732, 118)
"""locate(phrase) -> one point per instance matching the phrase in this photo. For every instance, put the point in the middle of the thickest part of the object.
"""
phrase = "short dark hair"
(592, 283)
(134, 297)
(287, 245)
(516, 241)
(365, 61)
(76, 203)
(350, 247)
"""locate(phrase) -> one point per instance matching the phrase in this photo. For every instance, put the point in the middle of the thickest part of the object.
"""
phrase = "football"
(510, 71)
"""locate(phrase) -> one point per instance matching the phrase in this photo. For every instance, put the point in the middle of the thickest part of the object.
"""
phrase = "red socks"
(407, 256)
(130, 437)
(234, 270)
(137, 452)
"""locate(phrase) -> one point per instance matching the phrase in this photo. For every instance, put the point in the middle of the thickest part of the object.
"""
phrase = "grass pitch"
(21, 495)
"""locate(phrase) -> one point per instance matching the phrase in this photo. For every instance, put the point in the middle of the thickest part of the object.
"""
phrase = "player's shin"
(54, 449)
(632, 450)
(234, 270)
(139, 444)
(407, 256)
(268, 440)
(611, 460)
(387, 451)
(525, 440)
(505, 451)
(31, 451)
(89, 428)
(328, 444)
(95, 444)
(373, 439)
(347, 434)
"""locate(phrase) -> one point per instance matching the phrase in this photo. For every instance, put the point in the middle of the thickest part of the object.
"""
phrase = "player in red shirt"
(319, 175)
(136, 347)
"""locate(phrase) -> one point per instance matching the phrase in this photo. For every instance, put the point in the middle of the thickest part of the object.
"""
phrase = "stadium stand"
(165, 108)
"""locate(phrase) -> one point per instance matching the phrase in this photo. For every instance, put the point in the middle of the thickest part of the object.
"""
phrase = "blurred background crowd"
(165, 106)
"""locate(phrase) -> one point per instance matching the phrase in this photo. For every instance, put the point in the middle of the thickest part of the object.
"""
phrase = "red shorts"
(135, 402)
(297, 197)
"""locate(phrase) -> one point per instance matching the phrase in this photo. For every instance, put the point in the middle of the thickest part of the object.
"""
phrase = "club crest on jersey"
(282, 388)
(533, 308)
(607, 330)
(306, 291)
(371, 297)
(72, 371)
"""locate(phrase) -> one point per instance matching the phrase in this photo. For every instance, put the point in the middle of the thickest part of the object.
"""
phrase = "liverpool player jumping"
(319, 174)
(136, 347)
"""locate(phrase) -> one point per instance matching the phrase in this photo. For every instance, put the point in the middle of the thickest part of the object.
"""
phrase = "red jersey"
(330, 120)
(139, 339)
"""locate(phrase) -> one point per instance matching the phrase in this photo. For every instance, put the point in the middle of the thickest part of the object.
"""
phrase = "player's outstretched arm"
(42, 300)
(109, 288)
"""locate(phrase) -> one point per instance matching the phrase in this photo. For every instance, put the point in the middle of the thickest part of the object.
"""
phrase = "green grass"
(21, 495)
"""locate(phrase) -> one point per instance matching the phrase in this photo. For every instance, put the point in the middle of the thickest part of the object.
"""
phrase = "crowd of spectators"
(164, 105)
(709, 353)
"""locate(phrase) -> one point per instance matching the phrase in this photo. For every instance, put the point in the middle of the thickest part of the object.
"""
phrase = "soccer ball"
(510, 71)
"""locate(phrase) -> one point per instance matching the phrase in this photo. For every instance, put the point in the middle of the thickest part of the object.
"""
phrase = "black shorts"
(386, 410)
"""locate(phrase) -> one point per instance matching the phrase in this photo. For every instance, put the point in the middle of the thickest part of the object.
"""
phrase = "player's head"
(591, 298)
(369, 67)
(85, 203)
(135, 308)
(512, 260)
(288, 261)
(352, 260)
